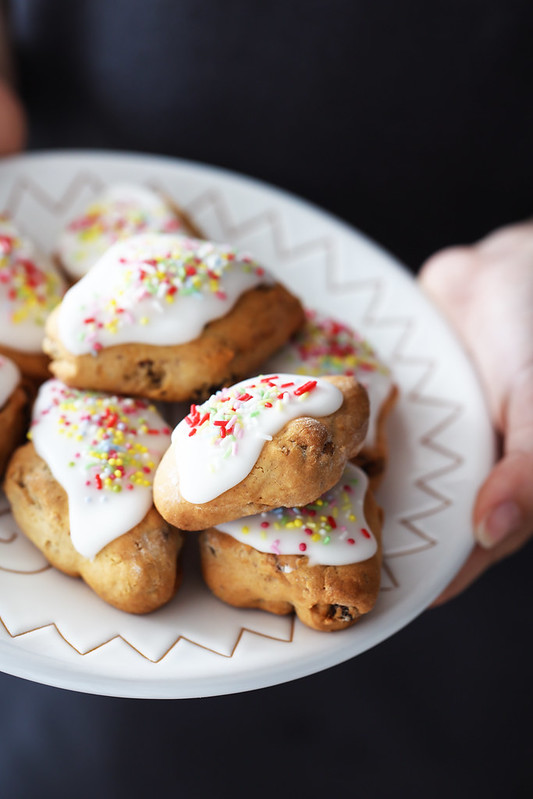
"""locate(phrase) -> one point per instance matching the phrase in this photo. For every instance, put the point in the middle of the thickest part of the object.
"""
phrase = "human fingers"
(471, 289)
(12, 121)
(504, 504)
(503, 512)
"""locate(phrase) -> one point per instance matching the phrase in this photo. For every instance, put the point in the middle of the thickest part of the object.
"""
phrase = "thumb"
(503, 513)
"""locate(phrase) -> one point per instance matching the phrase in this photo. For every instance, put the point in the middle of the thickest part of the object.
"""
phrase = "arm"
(12, 117)
(486, 292)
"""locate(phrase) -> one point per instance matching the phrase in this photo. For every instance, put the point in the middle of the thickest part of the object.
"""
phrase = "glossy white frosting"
(327, 346)
(103, 450)
(218, 443)
(332, 531)
(9, 379)
(121, 211)
(154, 289)
(30, 287)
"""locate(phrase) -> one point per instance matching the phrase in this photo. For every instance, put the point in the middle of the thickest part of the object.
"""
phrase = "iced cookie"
(277, 440)
(82, 492)
(30, 287)
(170, 318)
(322, 561)
(327, 346)
(13, 401)
(121, 211)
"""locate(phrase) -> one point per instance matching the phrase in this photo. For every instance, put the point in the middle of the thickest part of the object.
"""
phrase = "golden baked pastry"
(81, 491)
(259, 562)
(137, 572)
(266, 442)
(169, 318)
(324, 345)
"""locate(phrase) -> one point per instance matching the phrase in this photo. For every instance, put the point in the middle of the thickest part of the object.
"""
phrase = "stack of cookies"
(275, 461)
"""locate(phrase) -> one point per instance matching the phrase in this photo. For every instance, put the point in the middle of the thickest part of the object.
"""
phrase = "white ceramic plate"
(54, 630)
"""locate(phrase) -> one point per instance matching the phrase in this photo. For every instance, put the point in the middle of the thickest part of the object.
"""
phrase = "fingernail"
(501, 522)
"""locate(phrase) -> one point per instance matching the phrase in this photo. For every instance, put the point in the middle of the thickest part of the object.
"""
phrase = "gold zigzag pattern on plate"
(53, 626)
(56, 206)
(213, 200)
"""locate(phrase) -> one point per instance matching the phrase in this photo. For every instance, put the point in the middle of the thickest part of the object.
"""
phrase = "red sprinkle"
(365, 532)
(302, 547)
(351, 541)
(332, 523)
(309, 386)
(98, 481)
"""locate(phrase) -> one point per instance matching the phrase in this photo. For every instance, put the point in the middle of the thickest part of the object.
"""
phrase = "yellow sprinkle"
(245, 530)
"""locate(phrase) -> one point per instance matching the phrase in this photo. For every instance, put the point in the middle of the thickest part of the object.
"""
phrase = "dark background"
(412, 120)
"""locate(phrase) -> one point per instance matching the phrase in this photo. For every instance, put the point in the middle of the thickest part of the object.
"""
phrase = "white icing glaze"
(9, 379)
(332, 531)
(104, 451)
(30, 287)
(121, 211)
(218, 443)
(155, 289)
(327, 346)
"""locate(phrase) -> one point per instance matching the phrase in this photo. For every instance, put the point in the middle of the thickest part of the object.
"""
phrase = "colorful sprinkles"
(217, 444)
(227, 415)
(120, 212)
(28, 289)
(327, 346)
(108, 434)
(176, 267)
(332, 530)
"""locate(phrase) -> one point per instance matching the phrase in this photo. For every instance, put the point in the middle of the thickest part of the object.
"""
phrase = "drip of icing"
(326, 346)
(332, 531)
(155, 289)
(9, 379)
(218, 443)
(121, 211)
(30, 288)
(104, 451)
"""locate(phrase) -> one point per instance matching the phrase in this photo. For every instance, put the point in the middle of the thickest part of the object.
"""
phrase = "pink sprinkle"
(275, 546)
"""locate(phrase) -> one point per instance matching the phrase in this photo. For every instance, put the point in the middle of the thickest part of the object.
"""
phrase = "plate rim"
(79, 680)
